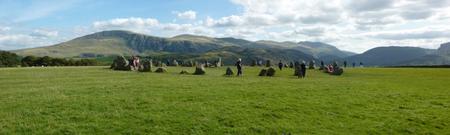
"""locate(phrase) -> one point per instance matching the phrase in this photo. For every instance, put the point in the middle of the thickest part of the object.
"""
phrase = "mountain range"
(192, 47)
(199, 48)
(403, 56)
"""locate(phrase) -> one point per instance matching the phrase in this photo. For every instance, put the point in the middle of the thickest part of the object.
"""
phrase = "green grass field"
(88, 100)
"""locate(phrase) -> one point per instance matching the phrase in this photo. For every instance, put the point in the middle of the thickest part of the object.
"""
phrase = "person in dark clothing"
(361, 64)
(345, 64)
(303, 69)
(280, 65)
(239, 67)
(354, 64)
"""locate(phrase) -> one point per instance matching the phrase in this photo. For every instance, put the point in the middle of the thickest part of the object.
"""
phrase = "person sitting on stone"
(135, 62)
(330, 68)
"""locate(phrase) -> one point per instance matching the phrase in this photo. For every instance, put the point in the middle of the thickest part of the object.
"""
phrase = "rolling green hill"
(387, 56)
(96, 100)
(119, 42)
(404, 56)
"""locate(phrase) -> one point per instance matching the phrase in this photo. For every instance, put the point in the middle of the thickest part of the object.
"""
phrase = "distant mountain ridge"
(118, 42)
(194, 47)
(403, 56)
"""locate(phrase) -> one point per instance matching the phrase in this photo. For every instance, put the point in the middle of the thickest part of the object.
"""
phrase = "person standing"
(345, 64)
(280, 65)
(303, 69)
(239, 67)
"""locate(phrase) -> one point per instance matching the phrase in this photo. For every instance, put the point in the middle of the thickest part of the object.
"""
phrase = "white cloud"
(355, 25)
(228, 21)
(44, 33)
(311, 31)
(17, 41)
(132, 23)
(189, 15)
(3, 29)
(427, 33)
(368, 5)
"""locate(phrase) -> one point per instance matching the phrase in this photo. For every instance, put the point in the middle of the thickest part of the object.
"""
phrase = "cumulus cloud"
(412, 34)
(3, 29)
(368, 5)
(311, 31)
(18, 41)
(8, 42)
(228, 21)
(188, 15)
(352, 24)
(126, 23)
(44, 33)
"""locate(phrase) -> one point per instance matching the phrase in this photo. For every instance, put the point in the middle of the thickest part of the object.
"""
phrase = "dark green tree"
(8, 59)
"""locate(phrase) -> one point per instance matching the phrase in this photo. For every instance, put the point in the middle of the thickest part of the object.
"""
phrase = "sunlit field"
(97, 100)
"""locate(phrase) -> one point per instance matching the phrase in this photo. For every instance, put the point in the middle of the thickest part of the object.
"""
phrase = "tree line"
(9, 59)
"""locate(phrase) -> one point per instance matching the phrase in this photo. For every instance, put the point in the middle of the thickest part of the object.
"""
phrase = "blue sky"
(353, 25)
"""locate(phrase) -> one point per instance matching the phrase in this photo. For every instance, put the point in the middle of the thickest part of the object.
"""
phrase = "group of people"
(134, 62)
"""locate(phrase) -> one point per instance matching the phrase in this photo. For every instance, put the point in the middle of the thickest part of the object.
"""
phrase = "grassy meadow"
(96, 100)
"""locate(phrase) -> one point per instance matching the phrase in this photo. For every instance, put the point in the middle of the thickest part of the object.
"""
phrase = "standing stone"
(263, 72)
(120, 63)
(206, 64)
(161, 70)
(229, 72)
(174, 63)
(146, 66)
(271, 71)
(219, 62)
(199, 70)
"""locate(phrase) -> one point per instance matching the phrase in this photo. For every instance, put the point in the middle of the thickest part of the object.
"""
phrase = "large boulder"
(146, 66)
(263, 72)
(219, 63)
(229, 72)
(271, 71)
(161, 70)
(120, 63)
(338, 71)
(199, 70)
